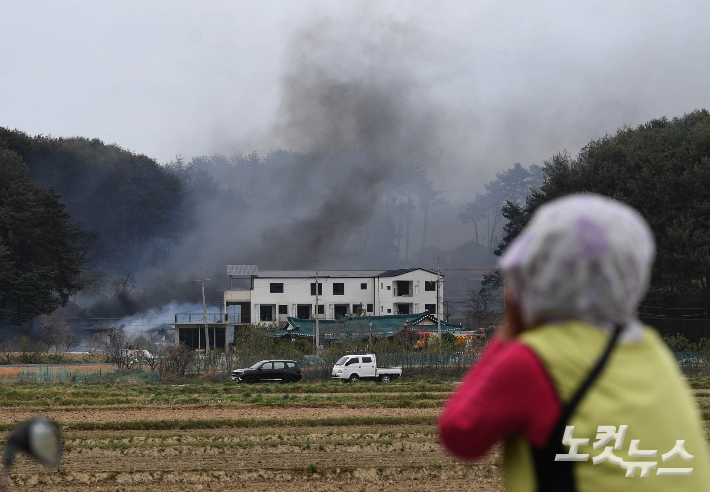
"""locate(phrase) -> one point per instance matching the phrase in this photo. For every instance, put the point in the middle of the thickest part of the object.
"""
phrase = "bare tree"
(51, 332)
(7, 348)
(58, 334)
(150, 352)
(428, 199)
(483, 309)
(127, 284)
(70, 340)
(177, 360)
(116, 345)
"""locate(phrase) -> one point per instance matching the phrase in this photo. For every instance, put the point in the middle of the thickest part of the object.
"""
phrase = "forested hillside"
(661, 168)
(127, 205)
(143, 225)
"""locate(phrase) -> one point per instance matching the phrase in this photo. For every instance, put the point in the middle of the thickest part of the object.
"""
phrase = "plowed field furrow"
(71, 415)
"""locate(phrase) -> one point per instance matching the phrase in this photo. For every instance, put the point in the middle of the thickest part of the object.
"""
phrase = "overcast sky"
(488, 83)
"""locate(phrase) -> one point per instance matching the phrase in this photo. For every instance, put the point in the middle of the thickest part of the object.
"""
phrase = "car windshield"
(341, 361)
(258, 364)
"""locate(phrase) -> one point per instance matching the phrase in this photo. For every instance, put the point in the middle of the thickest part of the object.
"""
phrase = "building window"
(313, 288)
(276, 288)
(341, 310)
(389, 287)
(403, 287)
(382, 309)
(303, 311)
(369, 308)
(389, 311)
(363, 286)
(190, 337)
(430, 286)
(338, 289)
(382, 286)
(265, 313)
(431, 308)
(321, 309)
(283, 309)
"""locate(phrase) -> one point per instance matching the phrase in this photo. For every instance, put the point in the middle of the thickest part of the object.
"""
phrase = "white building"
(276, 294)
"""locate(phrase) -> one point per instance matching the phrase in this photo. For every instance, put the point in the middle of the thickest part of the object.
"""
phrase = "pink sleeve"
(507, 392)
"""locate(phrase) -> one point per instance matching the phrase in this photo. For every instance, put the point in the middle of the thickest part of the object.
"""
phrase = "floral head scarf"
(583, 257)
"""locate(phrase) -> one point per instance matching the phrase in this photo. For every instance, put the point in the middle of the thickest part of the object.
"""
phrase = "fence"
(212, 318)
(413, 364)
(693, 324)
(419, 364)
(59, 375)
(319, 367)
(693, 361)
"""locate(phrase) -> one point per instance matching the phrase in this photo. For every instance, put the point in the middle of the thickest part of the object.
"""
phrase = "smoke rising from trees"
(363, 124)
(364, 136)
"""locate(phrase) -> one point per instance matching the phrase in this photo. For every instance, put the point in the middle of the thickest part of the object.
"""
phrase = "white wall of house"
(410, 290)
(277, 295)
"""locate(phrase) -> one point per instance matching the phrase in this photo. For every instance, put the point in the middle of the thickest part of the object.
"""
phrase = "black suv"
(286, 371)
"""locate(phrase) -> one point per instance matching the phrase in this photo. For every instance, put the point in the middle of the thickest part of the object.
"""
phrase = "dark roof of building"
(337, 273)
(319, 273)
(402, 271)
(386, 325)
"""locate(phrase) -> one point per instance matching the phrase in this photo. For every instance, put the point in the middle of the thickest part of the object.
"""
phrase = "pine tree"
(40, 256)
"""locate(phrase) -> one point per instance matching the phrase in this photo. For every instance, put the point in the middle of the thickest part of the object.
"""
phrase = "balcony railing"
(211, 318)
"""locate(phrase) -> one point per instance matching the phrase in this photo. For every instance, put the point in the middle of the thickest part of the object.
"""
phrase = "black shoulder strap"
(556, 476)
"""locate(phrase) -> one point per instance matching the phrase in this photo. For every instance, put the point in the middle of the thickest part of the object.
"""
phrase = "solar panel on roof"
(242, 270)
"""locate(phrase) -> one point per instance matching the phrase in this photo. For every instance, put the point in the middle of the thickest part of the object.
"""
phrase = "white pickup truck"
(351, 368)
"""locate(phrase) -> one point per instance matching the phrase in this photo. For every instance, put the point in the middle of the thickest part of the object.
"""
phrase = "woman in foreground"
(583, 395)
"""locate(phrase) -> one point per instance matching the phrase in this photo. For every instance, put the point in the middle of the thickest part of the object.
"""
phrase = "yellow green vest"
(640, 386)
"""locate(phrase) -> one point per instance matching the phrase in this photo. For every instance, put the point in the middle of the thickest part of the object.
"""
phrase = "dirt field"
(134, 434)
(329, 458)
(290, 456)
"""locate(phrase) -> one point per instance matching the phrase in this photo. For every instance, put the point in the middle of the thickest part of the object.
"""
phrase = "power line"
(663, 307)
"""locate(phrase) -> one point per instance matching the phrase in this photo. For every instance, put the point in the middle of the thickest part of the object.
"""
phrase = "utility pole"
(317, 333)
(204, 313)
(369, 343)
(438, 305)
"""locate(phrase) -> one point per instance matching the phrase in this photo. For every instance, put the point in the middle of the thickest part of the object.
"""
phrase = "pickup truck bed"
(351, 368)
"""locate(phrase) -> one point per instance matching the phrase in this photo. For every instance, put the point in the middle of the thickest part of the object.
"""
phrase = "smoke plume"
(360, 127)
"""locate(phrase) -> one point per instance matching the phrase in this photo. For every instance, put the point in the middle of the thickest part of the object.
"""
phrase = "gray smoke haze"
(354, 112)
(352, 104)
(365, 91)
(512, 81)
(358, 85)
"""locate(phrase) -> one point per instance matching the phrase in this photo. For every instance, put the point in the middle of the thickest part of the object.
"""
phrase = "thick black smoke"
(361, 129)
